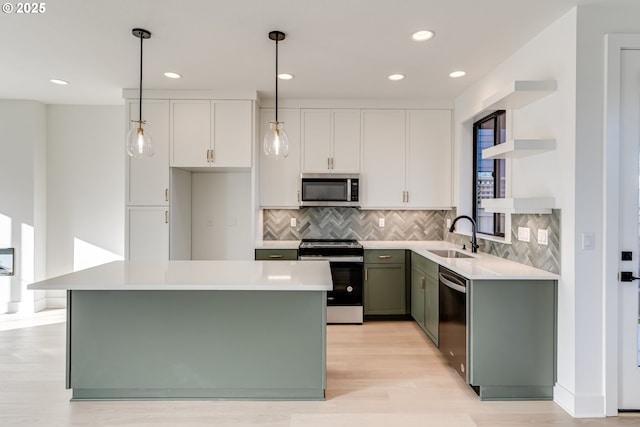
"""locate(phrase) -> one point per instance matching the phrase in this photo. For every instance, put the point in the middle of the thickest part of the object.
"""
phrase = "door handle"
(627, 276)
(275, 256)
(384, 256)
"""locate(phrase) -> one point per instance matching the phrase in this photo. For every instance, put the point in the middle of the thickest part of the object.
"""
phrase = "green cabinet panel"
(385, 291)
(512, 338)
(424, 295)
(418, 282)
(276, 254)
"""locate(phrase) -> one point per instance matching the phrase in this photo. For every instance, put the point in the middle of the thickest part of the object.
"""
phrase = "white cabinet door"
(383, 158)
(280, 179)
(148, 234)
(316, 140)
(346, 141)
(148, 178)
(330, 141)
(190, 133)
(429, 167)
(232, 133)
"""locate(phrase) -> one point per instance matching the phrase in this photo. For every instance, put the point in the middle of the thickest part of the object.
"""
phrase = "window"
(488, 174)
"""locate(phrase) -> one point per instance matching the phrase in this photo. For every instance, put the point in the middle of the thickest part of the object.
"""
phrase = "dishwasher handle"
(455, 286)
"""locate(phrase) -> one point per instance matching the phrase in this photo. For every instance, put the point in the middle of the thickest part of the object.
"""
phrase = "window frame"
(498, 167)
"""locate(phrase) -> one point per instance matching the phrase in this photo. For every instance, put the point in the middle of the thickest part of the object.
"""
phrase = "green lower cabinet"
(418, 283)
(276, 254)
(384, 283)
(431, 309)
(424, 295)
(512, 338)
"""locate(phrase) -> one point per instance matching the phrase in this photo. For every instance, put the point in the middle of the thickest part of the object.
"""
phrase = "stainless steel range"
(346, 258)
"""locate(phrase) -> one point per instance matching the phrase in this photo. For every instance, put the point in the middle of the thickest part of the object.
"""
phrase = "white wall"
(548, 56)
(23, 200)
(85, 187)
(221, 216)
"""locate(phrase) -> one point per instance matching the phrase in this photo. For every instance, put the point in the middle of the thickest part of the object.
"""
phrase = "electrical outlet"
(448, 223)
(543, 237)
(524, 234)
(294, 222)
(381, 222)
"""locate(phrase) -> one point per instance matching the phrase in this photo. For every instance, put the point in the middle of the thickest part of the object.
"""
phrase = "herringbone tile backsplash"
(350, 223)
(544, 257)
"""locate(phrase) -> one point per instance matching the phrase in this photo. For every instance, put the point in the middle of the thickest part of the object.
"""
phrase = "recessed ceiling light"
(423, 35)
(59, 82)
(457, 74)
(396, 77)
(285, 76)
(172, 75)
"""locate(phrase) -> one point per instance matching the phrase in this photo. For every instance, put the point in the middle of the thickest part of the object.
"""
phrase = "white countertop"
(197, 275)
(481, 266)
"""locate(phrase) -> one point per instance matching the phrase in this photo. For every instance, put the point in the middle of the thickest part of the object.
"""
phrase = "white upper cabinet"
(211, 133)
(406, 159)
(330, 140)
(428, 159)
(148, 178)
(382, 183)
(280, 178)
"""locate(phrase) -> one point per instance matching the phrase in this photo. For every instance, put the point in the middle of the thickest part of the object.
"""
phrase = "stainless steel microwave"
(321, 189)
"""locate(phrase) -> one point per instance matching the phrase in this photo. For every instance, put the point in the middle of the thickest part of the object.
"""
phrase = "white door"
(629, 355)
(346, 141)
(190, 133)
(148, 234)
(316, 140)
(232, 133)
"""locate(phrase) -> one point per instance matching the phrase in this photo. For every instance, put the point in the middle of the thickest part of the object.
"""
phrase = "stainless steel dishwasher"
(453, 319)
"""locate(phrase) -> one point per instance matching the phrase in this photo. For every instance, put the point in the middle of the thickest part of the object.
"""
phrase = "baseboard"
(40, 305)
(581, 406)
(56, 302)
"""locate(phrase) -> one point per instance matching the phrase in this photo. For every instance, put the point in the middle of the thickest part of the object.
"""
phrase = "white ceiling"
(337, 49)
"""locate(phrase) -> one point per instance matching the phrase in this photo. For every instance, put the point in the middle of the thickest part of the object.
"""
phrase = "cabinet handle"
(275, 256)
(166, 217)
(208, 156)
(298, 196)
(407, 196)
(384, 256)
(213, 156)
(328, 162)
(404, 196)
(422, 282)
(166, 194)
(366, 274)
(331, 162)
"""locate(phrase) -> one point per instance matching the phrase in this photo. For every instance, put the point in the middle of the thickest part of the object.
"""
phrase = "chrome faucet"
(474, 241)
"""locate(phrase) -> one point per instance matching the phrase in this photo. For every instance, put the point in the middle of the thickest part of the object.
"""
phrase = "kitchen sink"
(449, 253)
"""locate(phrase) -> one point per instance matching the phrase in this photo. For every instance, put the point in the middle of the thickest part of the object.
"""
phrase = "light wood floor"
(379, 374)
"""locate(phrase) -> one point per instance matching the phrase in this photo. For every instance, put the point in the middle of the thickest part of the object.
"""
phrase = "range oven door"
(347, 283)
(347, 274)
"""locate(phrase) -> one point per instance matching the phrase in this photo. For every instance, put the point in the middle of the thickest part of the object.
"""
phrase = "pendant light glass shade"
(139, 141)
(276, 142)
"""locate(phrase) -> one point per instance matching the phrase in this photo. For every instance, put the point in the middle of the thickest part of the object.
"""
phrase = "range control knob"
(349, 288)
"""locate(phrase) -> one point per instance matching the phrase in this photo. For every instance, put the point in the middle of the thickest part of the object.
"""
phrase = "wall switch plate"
(294, 222)
(543, 237)
(524, 234)
(626, 256)
(588, 240)
(380, 222)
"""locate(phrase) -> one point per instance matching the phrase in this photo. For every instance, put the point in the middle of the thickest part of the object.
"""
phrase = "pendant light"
(139, 141)
(276, 143)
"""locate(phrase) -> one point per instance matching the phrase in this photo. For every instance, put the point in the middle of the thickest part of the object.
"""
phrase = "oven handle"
(452, 285)
(331, 258)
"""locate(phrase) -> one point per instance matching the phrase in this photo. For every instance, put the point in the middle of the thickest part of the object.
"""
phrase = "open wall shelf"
(518, 94)
(519, 205)
(519, 148)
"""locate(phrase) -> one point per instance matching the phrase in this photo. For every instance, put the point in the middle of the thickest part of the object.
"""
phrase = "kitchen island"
(196, 330)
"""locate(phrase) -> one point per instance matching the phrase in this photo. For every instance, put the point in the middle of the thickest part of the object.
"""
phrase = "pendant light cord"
(140, 110)
(277, 37)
